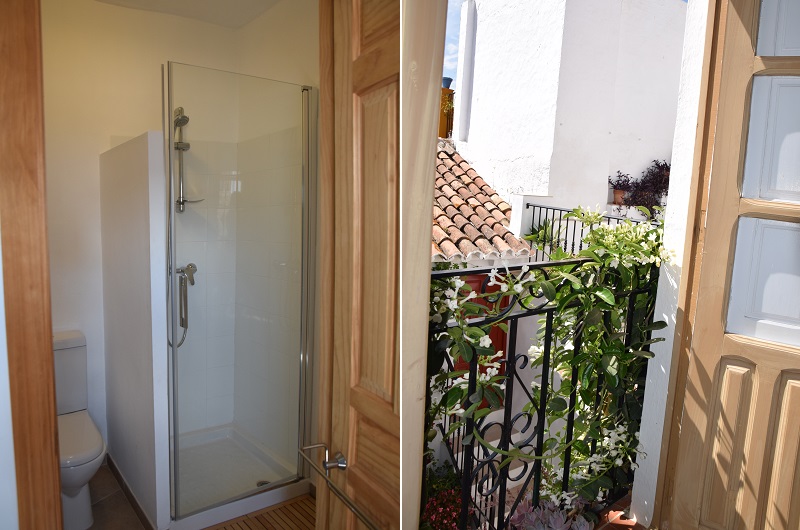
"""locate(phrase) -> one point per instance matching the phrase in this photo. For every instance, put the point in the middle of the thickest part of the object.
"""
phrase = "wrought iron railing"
(491, 492)
(552, 228)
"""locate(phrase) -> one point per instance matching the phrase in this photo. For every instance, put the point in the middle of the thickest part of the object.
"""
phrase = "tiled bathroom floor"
(110, 507)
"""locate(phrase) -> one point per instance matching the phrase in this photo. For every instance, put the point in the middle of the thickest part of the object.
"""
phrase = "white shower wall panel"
(205, 236)
(133, 221)
(268, 295)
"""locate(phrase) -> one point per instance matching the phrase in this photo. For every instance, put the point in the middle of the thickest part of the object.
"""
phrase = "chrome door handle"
(338, 462)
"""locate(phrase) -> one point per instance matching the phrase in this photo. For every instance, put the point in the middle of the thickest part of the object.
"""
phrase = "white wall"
(102, 79)
(134, 251)
(508, 134)
(9, 517)
(655, 422)
(283, 43)
(558, 95)
(102, 84)
(618, 93)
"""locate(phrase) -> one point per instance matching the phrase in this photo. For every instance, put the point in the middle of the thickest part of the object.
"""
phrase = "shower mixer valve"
(188, 271)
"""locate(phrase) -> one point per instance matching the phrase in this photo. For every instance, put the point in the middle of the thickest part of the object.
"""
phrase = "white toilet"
(81, 447)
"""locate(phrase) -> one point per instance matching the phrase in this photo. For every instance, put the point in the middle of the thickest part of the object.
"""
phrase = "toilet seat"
(79, 441)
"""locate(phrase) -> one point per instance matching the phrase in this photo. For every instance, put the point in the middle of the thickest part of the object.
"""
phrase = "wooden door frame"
(26, 276)
(422, 42)
(692, 258)
(323, 336)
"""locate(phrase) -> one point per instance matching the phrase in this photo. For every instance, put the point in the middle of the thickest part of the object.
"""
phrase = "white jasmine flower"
(485, 342)
(452, 304)
(458, 283)
(504, 287)
(518, 288)
(618, 462)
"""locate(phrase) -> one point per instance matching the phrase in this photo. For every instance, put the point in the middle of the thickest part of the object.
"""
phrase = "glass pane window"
(772, 164)
(777, 32)
(766, 279)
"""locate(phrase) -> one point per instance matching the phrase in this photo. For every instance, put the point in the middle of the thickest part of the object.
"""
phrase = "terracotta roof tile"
(469, 218)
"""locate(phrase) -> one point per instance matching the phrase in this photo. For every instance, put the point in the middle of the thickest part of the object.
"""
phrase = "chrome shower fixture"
(180, 120)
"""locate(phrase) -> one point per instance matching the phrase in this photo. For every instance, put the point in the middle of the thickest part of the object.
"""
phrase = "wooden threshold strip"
(295, 514)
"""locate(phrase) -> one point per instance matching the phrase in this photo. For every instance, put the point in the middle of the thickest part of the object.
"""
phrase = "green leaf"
(594, 317)
(493, 397)
(605, 482)
(566, 300)
(455, 333)
(589, 254)
(571, 278)
(557, 404)
(548, 290)
(453, 396)
(606, 296)
(659, 324)
(549, 445)
(464, 351)
(474, 332)
(503, 326)
(480, 413)
(453, 428)
(477, 397)
(644, 353)
(483, 352)
(581, 446)
(610, 365)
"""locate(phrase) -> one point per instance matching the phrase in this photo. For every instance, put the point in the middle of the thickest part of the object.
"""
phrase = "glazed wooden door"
(737, 465)
(363, 48)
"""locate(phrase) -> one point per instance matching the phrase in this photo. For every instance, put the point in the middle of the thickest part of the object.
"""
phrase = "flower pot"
(619, 197)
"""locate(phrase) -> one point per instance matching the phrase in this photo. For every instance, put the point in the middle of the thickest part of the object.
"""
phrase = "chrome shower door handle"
(339, 462)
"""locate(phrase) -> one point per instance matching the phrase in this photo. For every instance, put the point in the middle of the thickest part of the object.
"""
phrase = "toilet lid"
(79, 441)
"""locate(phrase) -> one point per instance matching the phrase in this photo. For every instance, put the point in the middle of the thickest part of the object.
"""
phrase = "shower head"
(180, 118)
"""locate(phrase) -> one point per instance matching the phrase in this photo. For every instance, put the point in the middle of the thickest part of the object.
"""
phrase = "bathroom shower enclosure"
(239, 243)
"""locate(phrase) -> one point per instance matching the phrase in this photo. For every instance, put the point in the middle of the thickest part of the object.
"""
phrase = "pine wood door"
(737, 465)
(361, 63)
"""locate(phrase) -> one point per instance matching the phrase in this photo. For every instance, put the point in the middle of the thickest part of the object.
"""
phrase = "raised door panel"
(365, 404)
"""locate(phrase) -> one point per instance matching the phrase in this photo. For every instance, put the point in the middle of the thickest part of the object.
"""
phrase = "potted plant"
(621, 184)
(649, 190)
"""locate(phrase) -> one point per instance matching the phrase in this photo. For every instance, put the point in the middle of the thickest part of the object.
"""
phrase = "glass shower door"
(236, 146)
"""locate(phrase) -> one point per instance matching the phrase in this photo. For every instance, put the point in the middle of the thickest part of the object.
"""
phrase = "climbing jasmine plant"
(602, 301)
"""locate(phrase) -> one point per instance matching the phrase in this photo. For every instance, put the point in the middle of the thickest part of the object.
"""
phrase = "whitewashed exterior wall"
(552, 97)
(507, 134)
(655, 423)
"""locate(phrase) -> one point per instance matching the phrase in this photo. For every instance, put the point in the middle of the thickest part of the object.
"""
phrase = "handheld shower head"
(180, 119)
